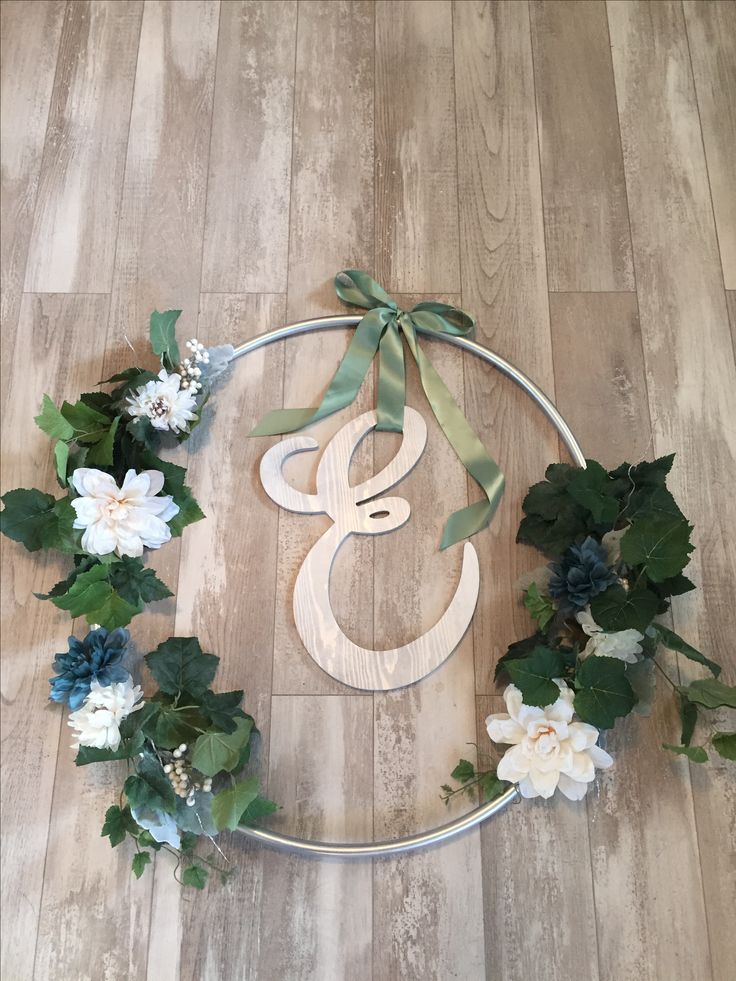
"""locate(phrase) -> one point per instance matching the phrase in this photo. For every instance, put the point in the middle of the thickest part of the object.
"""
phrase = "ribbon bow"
(380, 331)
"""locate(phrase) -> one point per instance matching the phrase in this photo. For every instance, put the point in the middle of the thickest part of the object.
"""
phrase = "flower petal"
(93, 483)
(600, 757)
(544, 781)
(582, 736)
(503, 729)
(514, 765)
(572, 789)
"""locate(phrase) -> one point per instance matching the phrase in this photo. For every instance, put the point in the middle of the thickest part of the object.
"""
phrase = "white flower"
(621, 644)
(122, 519)
(97, 722)
(165, 403)
(548, 750)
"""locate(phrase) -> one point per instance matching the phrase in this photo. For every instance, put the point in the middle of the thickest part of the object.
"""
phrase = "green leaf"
(197, 818)
(27, 517)
(179, 665)
(619, 609)
(216, 751)
(689, 718)
(223, 708)
(61, 460)
(195, 876)
(674, 642)
(229, 805)
(189, 510)
(140, 861)
(660, 545)
(88, 424)
(135, 584)
(674, 586)
(92, 596)
(463, 772)
(168, 726)
(101, 454)
(553, 519)
(710, 693)
(641, 678)
(533, 675)
(604, 693)
(491, 786)
(163, 336)
(125, 751)
(52, 422)
(594, 490)
(724, 743)
(258, 808)
(118, 822)
(188, 842)
(143, 432)
(540, 607)
(146, 839)
(519, 649)
(59, 533)
(696, 754)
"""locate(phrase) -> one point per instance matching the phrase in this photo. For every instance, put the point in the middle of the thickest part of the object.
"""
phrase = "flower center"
(546, 741)
(158, 407)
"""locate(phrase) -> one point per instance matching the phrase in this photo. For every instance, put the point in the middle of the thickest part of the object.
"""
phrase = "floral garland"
(619, 544)
(187, 745)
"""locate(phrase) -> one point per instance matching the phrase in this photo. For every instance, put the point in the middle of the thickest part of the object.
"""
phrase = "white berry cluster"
(189, 368)
(181, 777)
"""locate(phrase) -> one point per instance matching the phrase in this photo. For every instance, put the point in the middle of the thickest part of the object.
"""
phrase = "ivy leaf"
(674, 586)
(604, 693)
(27, 516)
(168, 726)
(149, 787)
(179, 665)
(229, 805)
(594, 490)
(143, 432)
(52, 422)
(195, 876)
(491, 786)
(61, 461)
(660, 545)
(118, 822)
(92, 596)
(222, 708)
(136, 584)
(696, 754)
(517, 650)
(125, 751)
(710, 693)
(533, 675)
(463, 772)
(59, 533)
(688, 717)
(101, 453)
(146, 839)
(540, 607)
(216, 751)
(258, 808)
(163, 336)
(188, 841)
(189, 510)
(674, 642)
(88, 424)
(618, 609)
(140, 861)
(724, 744)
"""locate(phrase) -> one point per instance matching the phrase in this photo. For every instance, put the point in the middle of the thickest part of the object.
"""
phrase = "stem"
(664, 673)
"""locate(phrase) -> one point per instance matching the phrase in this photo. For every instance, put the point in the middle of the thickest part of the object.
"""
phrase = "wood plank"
(72, 246)
(602, 392)
(691, 384)
(226, 598)
(586, 218)
(323, 908)
(504, 285)
(731, 304)
(416, 168)
(29, 35)
(420, 730)
(711, 30)
(331, 228)
(246, 235)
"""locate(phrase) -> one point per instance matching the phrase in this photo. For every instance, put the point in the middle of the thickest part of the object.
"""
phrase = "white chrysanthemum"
(548, 750)
(621, 644)
(97, 722)
(165, 403)
(123, 519)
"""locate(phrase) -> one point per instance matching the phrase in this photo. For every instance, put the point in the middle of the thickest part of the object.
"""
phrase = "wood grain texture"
(691, 378)
(29, 35)
(711, 30)
(72, 246)
(586, 219)
(416, 164)
(652, 925)
(731, 304)
(246, 236)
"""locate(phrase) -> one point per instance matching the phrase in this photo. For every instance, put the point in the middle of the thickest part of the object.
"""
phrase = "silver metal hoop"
(473, 818)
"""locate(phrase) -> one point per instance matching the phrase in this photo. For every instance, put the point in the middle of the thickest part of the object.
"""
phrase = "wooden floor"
(565, 171)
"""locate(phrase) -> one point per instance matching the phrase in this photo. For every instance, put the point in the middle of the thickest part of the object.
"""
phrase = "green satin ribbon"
(380, 331)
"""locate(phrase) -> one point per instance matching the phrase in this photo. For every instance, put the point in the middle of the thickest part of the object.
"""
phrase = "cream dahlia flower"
(165, 403)
(97, 722)
(548, 750)
(123, 519)
(621, 644)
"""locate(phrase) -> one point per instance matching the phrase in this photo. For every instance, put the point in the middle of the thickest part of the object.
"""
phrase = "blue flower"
(97, 657)
(582, 573)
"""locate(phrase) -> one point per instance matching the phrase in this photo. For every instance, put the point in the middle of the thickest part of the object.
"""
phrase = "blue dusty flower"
(582, 573)
(97, 657)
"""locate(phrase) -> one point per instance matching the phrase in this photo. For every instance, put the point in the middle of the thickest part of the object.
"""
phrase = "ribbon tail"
(469, 449)
(391, 394)
(343, 387)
